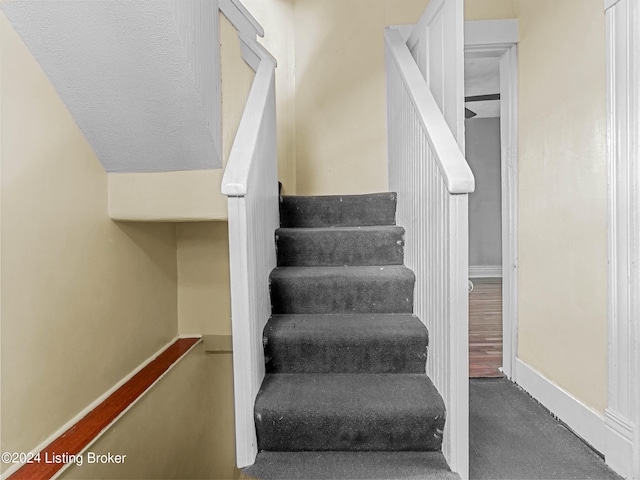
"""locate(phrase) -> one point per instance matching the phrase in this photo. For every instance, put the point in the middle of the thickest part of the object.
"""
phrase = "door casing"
(498, 39)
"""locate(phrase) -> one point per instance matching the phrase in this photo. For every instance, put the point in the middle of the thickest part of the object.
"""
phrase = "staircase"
(345, 393)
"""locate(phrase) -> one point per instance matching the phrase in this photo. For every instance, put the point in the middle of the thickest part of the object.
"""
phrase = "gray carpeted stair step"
(376, 245)
(338, 210)
(369, 289)
(346, 394)
(349, 412)
(346, 343)
(350, 466)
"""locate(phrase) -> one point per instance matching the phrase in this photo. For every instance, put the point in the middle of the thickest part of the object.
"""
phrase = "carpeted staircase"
(345, 394)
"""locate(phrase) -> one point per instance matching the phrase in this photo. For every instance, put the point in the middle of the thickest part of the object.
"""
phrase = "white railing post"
(432, 179)
(250, 182)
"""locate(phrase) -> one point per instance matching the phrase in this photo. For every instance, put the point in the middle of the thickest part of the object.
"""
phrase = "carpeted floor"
(511, 436)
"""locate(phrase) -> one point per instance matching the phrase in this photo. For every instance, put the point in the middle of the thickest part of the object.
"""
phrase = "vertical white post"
(622, 417)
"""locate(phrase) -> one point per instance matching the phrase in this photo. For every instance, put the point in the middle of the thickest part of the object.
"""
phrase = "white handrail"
(240, 18)
(236, 175)
(250, 182)
(453, 166)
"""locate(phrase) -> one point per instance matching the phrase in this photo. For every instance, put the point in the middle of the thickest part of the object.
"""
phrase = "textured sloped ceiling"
(128, 78)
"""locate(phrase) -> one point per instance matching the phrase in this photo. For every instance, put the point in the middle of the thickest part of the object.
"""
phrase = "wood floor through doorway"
(485, 328)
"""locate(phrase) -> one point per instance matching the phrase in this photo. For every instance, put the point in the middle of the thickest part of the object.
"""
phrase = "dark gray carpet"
(370, 289)
(338, 210)
(339, 343)
(334, 246)
(345, 356)
(349, 412)
(511, 436)
(350, 466)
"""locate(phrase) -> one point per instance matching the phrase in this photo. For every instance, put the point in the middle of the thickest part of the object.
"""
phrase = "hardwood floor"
(485, 328)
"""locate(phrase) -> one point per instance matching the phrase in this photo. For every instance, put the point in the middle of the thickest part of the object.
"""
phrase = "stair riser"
(334, 248)
(370, 431)
(311, 357)
(328, 211)
(342, 295)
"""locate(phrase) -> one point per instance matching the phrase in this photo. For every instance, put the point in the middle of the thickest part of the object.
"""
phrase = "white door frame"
(622, 416)
(499, 38)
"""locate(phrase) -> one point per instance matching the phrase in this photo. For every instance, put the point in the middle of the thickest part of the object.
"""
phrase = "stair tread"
(360, 394)
(355, 412)
(359, 325)
(346, 229)
(344, 271)
(350, 466)
(345, 343)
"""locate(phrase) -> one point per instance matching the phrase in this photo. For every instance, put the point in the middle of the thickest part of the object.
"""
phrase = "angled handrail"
(240, 18)
(451, 162)
(432, 179)
(236, 176)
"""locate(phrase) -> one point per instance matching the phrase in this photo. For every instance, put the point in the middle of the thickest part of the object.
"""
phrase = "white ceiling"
(122, 69)
(482, 77)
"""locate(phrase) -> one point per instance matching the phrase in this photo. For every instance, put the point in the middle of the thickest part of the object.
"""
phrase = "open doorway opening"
(492, 76)
(482, 141)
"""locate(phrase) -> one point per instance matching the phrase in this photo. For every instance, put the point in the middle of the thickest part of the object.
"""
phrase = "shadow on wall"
(153, 240)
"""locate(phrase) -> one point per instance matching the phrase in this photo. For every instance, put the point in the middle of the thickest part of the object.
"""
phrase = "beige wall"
(85, 300)
(562, 282)
(341, 142)
(331, 89)
(204, 297)
(182, 427)
(489, 9)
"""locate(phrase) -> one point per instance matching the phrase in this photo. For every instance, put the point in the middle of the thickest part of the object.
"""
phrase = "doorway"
(482, 145)
(491, 56)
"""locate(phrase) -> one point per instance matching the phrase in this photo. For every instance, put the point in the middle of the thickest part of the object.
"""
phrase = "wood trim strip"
(82, 434)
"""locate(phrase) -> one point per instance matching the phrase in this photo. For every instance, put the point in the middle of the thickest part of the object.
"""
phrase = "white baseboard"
(619, 443)
(584, 421)
(484, 271)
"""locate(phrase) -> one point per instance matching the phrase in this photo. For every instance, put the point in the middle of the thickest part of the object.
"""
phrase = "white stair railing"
(432, 179)
(250, 182)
